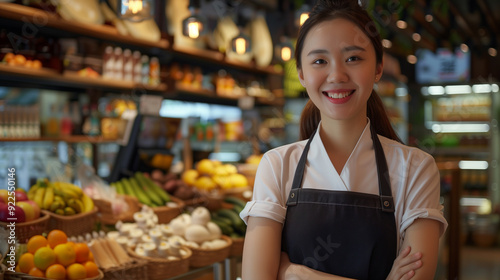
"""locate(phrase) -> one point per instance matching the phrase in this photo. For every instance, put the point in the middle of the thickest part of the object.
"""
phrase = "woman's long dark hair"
(326, 10)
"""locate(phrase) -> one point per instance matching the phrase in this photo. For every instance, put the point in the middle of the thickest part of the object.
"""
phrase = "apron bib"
(344, 233)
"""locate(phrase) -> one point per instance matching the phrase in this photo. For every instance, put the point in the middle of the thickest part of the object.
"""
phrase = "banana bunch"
(60, 197)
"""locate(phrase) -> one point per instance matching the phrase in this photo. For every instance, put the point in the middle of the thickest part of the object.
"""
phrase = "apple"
(35, 207)
(4, 196)
(29, 212)
(4, 212)
(19, 214)
(20, 195)
(5, 215)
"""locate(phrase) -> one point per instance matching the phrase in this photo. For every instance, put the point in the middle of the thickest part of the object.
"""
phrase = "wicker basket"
(23, 276)
(211, 201)
(237, 247)
(75, 224)
(166, 214)
(138, 269)
(28, 229)
(161, 268)
(106, 215)
(204, 257)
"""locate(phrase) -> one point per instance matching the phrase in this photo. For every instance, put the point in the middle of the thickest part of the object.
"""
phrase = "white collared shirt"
(414, 177)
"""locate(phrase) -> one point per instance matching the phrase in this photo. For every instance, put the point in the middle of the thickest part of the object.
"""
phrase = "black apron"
(344, 233)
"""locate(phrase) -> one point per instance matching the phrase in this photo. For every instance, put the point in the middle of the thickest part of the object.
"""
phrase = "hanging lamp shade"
(194, 25)
(284, 50)
(241, 44)
(135, 10)
(302, 14)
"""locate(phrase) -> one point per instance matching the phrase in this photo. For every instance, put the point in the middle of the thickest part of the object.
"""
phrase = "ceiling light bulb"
(386, 43)
(464, 48)
(416, 37)
(401, 24)
(492, 51)
(411, 59)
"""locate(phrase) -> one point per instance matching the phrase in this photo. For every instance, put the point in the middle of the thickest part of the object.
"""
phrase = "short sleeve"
(423, 196)
(267, 201)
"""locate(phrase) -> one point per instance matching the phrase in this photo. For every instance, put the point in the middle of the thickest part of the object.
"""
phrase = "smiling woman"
(351, 202)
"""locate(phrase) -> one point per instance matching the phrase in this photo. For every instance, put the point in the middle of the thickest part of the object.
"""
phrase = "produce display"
(54, 257)
(148, 238)
(60, 197)
(211, 174)
(143, 188)
(25, 210)
(229, 220)
(196, 230)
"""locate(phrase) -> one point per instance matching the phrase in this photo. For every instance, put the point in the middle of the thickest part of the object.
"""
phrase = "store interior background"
(440, 86)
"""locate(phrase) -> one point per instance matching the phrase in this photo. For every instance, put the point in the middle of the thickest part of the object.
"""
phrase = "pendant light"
(284, 50)
(302, 14)
(135, 10)
(194, 25)
(241, 43)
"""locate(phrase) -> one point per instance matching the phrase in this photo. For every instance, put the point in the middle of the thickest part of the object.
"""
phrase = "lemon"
(189, 176)
(205, 167)
(230, 168)
(205, 183)
(239, 180)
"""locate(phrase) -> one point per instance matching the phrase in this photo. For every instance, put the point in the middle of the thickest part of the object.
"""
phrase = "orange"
(44, 257)
(56, 237)
(91, 268)
(56, 271)
(18, 269)
(82, 252)
(76, 271)
(35, 271)
(25, 262)
(65, 254)
(36, 242)
(91, 256)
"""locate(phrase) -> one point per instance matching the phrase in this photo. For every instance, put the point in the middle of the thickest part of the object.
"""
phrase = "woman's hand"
(405, 265)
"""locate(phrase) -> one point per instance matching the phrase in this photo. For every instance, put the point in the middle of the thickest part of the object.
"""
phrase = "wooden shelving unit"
(68, 139)
(42, 18)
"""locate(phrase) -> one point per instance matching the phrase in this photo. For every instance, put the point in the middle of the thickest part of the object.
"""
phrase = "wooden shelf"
(105, 32)
(73, 80)
(68, 139)
(221, 59)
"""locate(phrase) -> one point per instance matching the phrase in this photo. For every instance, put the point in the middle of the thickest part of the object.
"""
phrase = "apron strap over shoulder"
(384, 183)
(299, 172)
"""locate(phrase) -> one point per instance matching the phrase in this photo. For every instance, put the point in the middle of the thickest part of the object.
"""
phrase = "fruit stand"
(134, 226)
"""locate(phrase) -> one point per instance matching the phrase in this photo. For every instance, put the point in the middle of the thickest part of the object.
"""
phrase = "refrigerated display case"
(460, 125)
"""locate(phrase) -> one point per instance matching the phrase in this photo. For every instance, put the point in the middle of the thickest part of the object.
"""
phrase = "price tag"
(246, 102)
(150, 104)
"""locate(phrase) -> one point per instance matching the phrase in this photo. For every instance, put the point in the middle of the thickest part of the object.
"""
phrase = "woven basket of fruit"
(170, 211)
(26, 230)
(73, 225)
(164, 268)
(204, 257)
(23, 276)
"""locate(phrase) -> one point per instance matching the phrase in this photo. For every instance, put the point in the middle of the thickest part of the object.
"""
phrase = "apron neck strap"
(384, 184)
